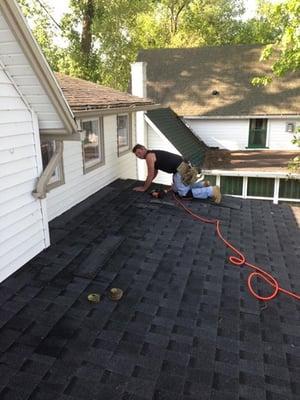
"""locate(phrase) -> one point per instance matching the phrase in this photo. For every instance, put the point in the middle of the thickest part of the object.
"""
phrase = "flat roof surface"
(186, 328)
(251, 160)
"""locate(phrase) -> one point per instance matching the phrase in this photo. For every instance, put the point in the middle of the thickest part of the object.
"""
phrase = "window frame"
(59, 178)
(122, 150)
(93, 164)
(265, 131)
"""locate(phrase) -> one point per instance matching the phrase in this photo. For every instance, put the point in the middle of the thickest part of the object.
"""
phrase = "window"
(124, 133)
(93, 149)
(48, 148)
(258, 133)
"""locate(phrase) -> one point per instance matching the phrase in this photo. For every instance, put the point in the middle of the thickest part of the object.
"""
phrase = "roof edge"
(117, 110)
(38, 62)
(275, 116)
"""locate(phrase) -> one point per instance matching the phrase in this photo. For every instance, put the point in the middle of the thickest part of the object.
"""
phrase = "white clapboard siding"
(16, 203)
(12, 180)
(233, 134)
(16, 154)
(15, 198)
(23, 228)
(17, 214)
(27, 249)
(17, 128)
(15, 141)
(225, 134)
(18, 228)
(278, 137)
(78, 186)
(10, 103)
(18, 65)
(14, 167)
(158, 141)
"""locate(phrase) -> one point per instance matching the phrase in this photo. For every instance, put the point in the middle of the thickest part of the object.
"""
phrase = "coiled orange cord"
(239, 259)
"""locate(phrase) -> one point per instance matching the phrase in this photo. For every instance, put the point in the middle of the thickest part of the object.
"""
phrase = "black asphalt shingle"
(186, 328)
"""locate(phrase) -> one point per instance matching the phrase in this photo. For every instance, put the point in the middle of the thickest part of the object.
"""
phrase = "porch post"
(139, 88)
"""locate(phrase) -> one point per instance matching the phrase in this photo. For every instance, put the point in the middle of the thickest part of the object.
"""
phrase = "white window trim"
(122, 150)
(93, 164)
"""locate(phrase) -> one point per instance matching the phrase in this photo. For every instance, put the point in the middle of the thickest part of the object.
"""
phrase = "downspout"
(40, 191)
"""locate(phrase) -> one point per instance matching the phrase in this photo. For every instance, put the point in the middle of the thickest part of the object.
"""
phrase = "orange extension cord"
(240, 260)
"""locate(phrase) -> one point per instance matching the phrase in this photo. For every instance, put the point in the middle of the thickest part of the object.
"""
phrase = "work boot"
(216, 195)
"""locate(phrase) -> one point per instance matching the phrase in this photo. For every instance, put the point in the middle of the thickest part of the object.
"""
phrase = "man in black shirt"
(184, 180)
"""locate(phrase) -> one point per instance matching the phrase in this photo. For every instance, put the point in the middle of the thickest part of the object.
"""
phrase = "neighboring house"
(210, 89)
(43, 149)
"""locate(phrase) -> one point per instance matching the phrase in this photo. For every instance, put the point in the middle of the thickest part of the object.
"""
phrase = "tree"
(43, 29)
(284, 17)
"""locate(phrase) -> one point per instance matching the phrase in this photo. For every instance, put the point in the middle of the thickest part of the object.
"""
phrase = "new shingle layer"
(171, 126)
(186, 328)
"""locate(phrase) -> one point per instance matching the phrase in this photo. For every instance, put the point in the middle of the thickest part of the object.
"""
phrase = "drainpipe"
(139, 88)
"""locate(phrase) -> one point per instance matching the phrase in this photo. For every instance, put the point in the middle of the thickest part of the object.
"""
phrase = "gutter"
(115, 110)
(219, 117)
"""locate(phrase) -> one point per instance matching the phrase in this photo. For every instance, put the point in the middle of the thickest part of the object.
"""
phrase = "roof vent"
(215, 93)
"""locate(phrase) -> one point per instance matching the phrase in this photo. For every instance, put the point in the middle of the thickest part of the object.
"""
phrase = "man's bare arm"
(152, 172)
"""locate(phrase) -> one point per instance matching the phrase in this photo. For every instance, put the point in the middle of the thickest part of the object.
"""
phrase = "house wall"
(18, 65)
(233, 134)
(158, 141)
(279, 138)
(23, 226)
(78, 186)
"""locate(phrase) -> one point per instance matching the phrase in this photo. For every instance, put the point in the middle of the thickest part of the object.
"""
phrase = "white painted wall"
(18, 65)
(23, 222)
(233, 134)
(226, 134)
(279, 139)
(78, 186)
(158, 141)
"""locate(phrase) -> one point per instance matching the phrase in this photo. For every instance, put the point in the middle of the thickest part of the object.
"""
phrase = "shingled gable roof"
(86, 96)
(184, 79)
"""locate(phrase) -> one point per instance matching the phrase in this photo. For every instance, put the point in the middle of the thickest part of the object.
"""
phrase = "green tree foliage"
(119, 28)
(43, 29)
(104, 36)
(284, 49)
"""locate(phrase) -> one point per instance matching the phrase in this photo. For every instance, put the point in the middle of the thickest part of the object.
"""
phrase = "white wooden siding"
(158, 141)
(22, 227)
(233, 134)
(279, 139)
(78, 186)
(18, 66)
(226, 134)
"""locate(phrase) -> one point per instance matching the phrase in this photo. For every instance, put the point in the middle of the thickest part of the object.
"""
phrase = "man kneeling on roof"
(185, 177)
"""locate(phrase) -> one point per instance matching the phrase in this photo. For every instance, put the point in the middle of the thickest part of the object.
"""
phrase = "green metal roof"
(170, 125)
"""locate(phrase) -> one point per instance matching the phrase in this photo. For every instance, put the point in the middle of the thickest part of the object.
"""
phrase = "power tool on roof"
(158, 193)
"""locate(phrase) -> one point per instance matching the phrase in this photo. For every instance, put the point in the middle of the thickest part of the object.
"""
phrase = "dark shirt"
(165, 161)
